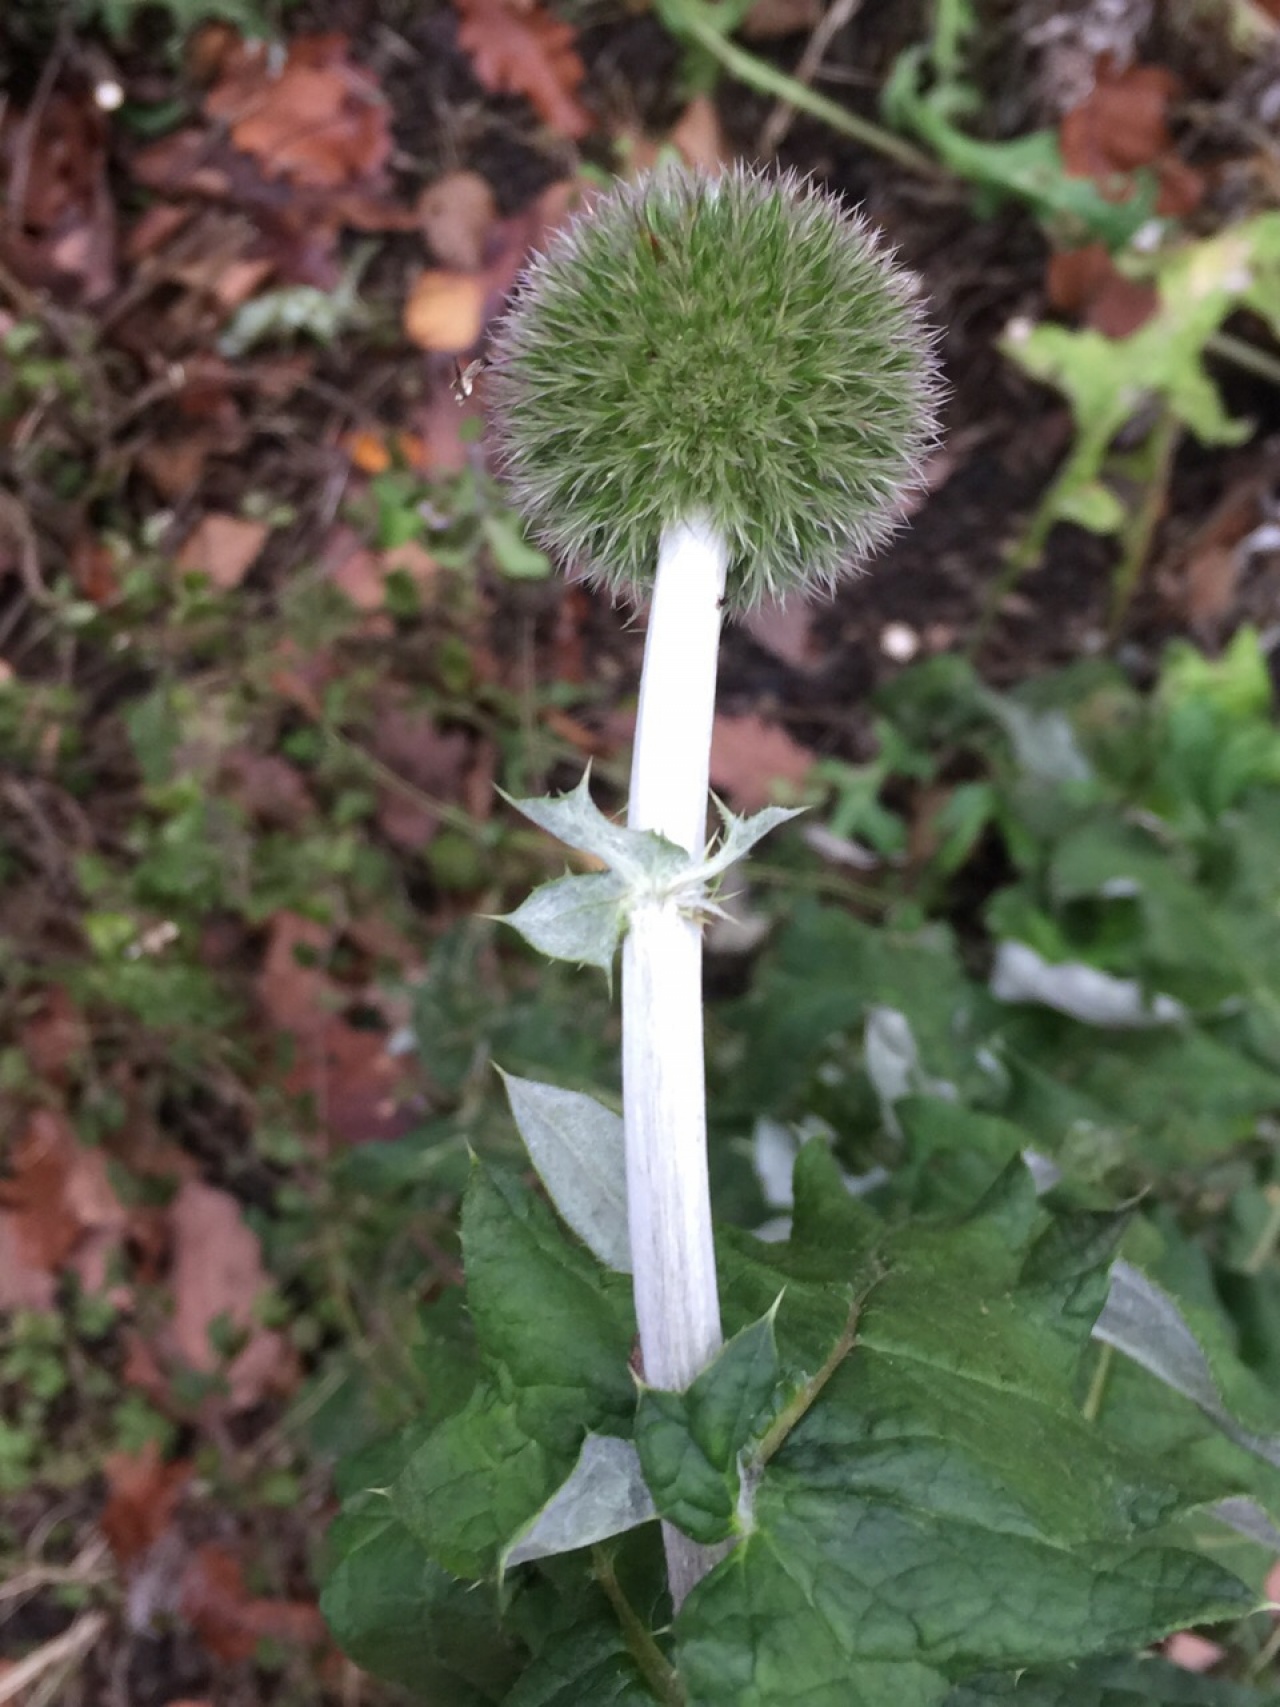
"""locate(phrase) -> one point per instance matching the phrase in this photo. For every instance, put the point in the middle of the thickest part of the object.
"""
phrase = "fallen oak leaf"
(768, 20)
(1086, 282)
(431, 761)
(318, 120)
(526, 51)
(24, 1285)
(346, 1071)
(266, 787)
(55, 1038)
(64, 224)
(700, 138)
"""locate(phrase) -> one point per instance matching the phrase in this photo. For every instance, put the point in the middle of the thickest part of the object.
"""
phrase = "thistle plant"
(879, 1489)
(710, 391)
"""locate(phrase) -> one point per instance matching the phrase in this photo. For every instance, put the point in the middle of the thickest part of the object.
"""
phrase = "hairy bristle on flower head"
(738, 348)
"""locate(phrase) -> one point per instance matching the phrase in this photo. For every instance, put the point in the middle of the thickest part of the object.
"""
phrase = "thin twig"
(758, 74)
(829, 25)
(63, 1650)
(84, 1570)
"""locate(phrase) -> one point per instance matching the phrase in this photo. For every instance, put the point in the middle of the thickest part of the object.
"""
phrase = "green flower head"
(738, 349)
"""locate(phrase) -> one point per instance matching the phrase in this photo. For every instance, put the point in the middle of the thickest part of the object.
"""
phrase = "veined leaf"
(942, 1507)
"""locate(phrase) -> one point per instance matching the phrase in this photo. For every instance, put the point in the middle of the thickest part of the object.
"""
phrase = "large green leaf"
(589, 1665)
(1110, 1683)
(1175, 1097)
(398, 1614)
(941, 1507)
(825, 973)
(481, 1475)
(544, 1312)
(553, 1333)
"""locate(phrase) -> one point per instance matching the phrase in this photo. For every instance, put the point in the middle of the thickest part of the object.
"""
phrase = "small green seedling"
(1152, 385)
(928, 95)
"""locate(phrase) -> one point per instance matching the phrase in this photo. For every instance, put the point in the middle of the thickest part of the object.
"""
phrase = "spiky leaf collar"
(740, 349)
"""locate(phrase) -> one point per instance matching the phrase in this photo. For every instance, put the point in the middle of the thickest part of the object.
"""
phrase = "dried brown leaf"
(60, 212)
(786, 630)
(218, 1280)
(457, 214)
(525, 51)
(344, 1070)
(748, 756)
(142, 1495)
(228, 1620)
(56, 1037)
(24, 1284)
(267, 788)
(432, 763)
(700, 137)
(224, 548)
(770, 19)
(61, 1209)
(445, 311)
(1087, 283)
(318, 120)
(1121, 126)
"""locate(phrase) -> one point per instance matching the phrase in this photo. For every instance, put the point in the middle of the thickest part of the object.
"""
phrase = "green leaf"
(588, 1668)
(1027, 168)
(554, 1333)
(396, 1613)
(516, 558)
(604, 1496)
(956, 1154)
(690, 1443)
(1146, 1324)
(825, 970)
(1171, 1097)
(1237, 683)
(479, 1478)
(578, 919)
(639, 856)
(1110, 1683)
(1091, 505)
(543, 1310)
(576, 1144)
(940, 1507)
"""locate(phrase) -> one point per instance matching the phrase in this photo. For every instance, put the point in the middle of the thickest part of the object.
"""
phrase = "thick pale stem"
(664, 1098)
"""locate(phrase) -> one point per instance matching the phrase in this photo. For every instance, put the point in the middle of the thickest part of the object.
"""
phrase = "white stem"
(671, 763)
(663, 1077)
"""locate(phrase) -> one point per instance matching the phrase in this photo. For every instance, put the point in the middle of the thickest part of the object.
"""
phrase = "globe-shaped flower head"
(736, 350)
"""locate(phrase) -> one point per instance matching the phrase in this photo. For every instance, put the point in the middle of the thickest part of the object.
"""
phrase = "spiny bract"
(737, 348)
